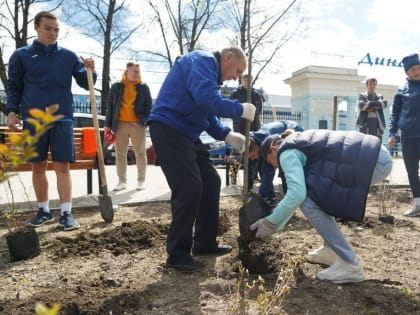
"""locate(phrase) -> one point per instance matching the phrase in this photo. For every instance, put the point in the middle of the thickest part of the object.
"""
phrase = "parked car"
(81, 120)
(150, 150)
(217, 149)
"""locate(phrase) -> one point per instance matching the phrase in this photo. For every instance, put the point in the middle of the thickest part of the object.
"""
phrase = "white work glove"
(236, 140)
(264, 228)
(249, 111)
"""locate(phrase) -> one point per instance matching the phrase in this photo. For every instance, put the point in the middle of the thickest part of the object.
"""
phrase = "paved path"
(156, 187)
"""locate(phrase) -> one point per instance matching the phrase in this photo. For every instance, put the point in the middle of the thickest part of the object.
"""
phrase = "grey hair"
(236, 50)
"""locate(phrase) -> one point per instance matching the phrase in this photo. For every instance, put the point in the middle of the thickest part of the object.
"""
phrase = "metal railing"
(273, 113)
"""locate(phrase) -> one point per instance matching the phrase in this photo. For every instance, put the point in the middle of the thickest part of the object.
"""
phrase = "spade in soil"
(254, 258)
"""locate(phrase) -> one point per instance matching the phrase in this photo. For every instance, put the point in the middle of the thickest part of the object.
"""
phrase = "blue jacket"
(267, 171)
(338, 169)
(40, 76)
(406, 110)
(189, 99)
(274, 127)
(142, 105)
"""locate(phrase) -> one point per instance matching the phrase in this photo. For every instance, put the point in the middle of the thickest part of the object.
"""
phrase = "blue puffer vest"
(338, 170)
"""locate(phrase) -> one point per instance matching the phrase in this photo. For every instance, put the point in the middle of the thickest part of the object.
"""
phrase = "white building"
(327, 96)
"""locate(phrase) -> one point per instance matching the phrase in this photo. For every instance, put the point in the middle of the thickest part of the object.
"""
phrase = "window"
(323, 124)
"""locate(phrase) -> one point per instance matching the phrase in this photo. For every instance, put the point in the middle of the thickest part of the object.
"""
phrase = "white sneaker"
(413, 212)
(343, 272)
(120, 186)
(140, 185)
(322, 255)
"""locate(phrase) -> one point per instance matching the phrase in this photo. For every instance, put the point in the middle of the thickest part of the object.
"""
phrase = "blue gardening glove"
(264, 228)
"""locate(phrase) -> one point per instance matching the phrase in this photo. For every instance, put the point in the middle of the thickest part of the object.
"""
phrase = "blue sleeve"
(202, 84)
(14, 84)
(267, 175)
(216, 128)
(396, 112)
(292, 162)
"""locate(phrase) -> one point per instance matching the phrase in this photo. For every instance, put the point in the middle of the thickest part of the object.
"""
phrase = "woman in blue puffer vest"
(328, 175)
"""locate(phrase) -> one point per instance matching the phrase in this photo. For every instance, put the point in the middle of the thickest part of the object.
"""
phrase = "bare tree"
(14, 21)
(185, 22)
(268, 30)
(106, 22)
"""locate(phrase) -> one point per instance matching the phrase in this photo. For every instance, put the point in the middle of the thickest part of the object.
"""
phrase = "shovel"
(254, 207)
(105, 202)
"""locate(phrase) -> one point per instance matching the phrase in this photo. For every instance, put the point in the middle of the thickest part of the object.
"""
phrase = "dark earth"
(119, 268)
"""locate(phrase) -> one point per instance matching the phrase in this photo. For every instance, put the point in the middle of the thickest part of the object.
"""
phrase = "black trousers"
(411, 156)
(195, 186)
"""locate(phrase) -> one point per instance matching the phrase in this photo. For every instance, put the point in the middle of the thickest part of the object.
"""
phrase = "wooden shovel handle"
(96, 127)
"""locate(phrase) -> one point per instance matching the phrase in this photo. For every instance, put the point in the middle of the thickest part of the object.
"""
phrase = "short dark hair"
(132, 64)
(371, 80)
(43, 14)
(253, 145)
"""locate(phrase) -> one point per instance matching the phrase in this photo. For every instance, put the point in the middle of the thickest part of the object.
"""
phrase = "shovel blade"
(253, 209)
(106, 208)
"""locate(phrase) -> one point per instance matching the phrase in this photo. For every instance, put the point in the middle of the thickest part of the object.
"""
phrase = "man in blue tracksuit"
(188, 103)
(41, 75)
(406, 117)
(266, 170)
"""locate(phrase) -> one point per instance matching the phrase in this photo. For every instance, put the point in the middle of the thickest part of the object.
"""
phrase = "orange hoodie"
(128, 100)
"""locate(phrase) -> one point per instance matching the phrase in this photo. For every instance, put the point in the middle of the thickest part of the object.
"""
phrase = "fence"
(272, 113)
(82, 105)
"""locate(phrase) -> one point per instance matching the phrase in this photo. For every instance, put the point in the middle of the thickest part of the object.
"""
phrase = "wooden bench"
(84, 161)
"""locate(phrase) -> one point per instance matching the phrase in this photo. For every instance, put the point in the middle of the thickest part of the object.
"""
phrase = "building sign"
(379, 61)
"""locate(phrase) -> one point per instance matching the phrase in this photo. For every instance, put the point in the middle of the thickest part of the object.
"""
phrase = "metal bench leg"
(89, 181)
(227, 172)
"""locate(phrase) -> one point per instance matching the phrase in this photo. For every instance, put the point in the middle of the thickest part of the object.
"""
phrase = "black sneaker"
(68, 222)
(41, 218)
(218, 251)
(187, 266)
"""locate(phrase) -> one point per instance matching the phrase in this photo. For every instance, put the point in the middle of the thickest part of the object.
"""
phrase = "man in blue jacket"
(188, 103)
(41, 75)
(266, 170)
(406, 117)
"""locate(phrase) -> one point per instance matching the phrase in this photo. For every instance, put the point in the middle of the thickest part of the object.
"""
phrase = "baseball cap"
(267, 143)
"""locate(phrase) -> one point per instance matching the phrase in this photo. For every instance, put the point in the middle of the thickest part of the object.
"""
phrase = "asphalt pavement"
(155, 188)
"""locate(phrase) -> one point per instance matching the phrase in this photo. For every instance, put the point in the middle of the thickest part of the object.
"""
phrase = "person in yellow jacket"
(128, 107)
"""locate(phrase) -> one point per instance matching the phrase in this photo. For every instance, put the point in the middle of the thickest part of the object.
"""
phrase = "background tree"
(107, 22)
(14, 22)
(182, 24)
(270, 26)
